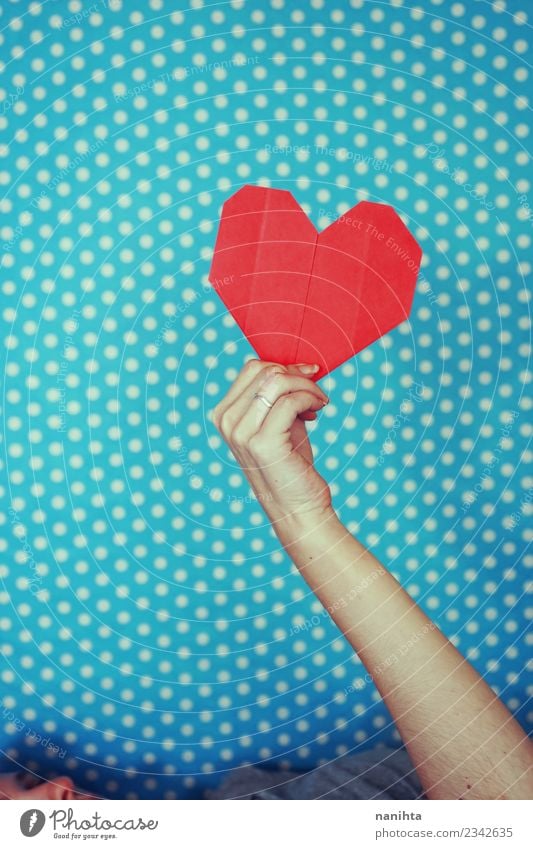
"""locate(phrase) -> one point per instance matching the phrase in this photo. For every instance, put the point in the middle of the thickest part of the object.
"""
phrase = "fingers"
(258, 432)
(299, 371)
(248, 374)
(284, 412)
(242, 419)
(275, 384)
(308, 416)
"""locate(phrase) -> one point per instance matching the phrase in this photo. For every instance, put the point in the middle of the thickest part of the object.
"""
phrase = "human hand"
(271, 443)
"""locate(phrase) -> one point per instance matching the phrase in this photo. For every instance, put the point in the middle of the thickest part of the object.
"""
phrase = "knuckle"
(273, 375)
(239, 438)
(275, 383)
(224, 423)
(253, 366)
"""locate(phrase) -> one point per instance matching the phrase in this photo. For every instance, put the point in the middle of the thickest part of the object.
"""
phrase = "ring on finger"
(264, 400)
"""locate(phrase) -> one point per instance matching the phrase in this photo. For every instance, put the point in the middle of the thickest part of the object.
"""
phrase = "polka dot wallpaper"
(154, 634)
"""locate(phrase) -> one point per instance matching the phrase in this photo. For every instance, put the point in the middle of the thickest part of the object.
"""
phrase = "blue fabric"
(154, 635)
(379, 774)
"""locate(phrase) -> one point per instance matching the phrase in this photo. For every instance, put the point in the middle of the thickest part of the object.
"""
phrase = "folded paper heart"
(300, 296)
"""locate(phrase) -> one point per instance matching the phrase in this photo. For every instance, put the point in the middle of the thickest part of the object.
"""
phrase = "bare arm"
(461, 738)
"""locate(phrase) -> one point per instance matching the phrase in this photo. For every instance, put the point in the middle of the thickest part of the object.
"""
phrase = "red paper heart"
(300, 296)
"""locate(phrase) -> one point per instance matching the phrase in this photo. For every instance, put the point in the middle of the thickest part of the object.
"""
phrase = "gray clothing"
(380, 773)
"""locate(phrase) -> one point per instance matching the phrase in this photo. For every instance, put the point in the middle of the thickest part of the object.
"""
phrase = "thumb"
(307, 369)
(304, 370)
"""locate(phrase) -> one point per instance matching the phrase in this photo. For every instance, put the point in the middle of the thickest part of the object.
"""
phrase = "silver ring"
(265, 401)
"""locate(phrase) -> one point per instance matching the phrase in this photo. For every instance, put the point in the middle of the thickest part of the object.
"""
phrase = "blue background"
(151, 627)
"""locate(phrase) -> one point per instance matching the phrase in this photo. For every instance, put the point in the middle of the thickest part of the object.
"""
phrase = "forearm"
(461, 738)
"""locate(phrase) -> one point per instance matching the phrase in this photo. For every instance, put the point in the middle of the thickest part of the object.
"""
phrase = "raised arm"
(461, 738)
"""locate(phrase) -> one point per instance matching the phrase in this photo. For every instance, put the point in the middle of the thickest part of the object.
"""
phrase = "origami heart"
(300, 296)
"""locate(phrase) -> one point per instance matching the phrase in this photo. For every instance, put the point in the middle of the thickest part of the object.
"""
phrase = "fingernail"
(307, 369)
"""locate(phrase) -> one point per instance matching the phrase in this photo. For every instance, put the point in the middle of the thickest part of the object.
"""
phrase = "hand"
(271, 444)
